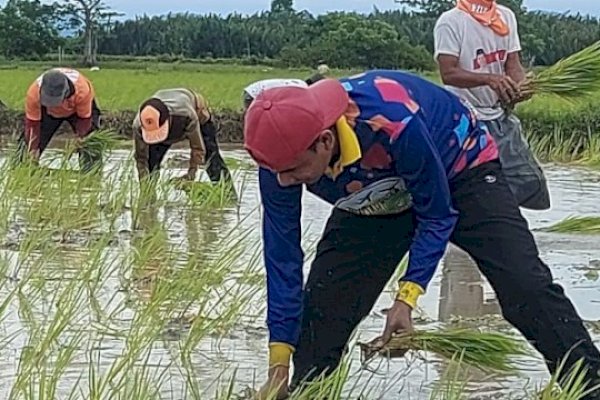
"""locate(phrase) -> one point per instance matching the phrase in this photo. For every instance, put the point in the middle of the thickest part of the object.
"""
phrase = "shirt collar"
(349, 147)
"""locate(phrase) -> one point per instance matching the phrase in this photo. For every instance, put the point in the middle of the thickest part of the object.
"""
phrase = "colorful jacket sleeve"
(419, 163)
(283, 257)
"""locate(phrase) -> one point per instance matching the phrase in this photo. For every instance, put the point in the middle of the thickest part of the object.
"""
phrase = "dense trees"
(400, 38)
(28, 29)
(90, 16)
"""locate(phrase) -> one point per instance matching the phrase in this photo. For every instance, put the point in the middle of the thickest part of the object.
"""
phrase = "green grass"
(123, 89)
(222, 85)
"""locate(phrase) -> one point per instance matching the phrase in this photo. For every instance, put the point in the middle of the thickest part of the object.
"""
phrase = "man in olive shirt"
(171, 116)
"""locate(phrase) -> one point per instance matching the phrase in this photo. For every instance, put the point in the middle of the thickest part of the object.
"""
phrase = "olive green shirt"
(188, 112)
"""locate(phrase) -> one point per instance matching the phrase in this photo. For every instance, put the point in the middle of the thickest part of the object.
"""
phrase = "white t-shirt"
(479, 50)
(258, 87)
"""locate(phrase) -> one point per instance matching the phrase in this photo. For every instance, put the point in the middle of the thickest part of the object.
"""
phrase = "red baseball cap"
(283, 122)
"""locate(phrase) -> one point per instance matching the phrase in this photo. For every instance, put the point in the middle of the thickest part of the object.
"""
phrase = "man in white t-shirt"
(477, 49)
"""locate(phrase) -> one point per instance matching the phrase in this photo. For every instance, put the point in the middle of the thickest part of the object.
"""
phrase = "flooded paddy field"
(111, 292)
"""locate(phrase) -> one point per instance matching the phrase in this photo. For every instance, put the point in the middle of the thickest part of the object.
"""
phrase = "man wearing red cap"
(171, 116)
(407, 166)
(59, 95)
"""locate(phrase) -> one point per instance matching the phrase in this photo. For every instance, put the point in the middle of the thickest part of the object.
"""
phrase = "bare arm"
(452, 74)
(514, 68)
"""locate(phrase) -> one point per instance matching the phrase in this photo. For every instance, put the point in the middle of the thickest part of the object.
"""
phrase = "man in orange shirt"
(59, 95)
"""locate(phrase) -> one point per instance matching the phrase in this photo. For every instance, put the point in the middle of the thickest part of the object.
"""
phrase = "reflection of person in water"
(462, 293)
(202, 231)
(150, 255)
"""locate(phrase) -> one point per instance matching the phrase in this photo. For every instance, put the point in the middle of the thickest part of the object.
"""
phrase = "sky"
(133, 7)
(153, 7)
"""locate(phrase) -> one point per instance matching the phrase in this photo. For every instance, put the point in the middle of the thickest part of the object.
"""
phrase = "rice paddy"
(112, 290)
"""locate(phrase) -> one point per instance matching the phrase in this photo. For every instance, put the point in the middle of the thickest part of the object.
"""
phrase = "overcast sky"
(133, 7)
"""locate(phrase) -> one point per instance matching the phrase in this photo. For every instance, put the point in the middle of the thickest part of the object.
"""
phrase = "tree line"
(401, 38)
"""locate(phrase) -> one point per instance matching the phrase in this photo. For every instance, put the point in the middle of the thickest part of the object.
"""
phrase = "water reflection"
(462, 291)
(168, 232)
(165, 238)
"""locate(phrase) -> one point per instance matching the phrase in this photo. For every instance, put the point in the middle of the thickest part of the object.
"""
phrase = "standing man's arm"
(513, 66)
(447, 53)
(284, 259)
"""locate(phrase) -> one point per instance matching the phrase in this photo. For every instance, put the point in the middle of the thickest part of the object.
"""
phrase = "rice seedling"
(453, 384)
(573, 78)
(209, 196)
(487, 351)
(567, 385)
(331, 387)
(576, 225)
(48, 353)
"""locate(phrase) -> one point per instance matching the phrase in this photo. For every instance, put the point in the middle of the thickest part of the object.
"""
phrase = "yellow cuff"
(409, 293)
(280, 354)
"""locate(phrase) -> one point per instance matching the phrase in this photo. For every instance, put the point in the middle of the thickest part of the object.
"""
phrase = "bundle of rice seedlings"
(488, 352)
(583, 225)
(100, 142)
(96, 145)
(572, 78)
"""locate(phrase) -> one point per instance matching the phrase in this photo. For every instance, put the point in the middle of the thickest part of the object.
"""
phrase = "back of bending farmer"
(59, 95)
(171, 116)
(254, 89)
(362, 144)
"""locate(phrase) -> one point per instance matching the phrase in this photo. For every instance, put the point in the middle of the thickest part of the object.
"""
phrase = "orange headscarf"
(486, 12)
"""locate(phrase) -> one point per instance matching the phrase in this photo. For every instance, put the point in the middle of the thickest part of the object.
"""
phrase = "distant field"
(119, 89)
(125, 88)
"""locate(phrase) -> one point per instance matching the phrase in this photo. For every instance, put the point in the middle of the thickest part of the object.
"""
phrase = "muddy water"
(458, 293)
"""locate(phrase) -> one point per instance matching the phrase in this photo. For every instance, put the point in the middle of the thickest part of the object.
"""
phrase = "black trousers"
(215, 165)
(51, 124)
(357, 256)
